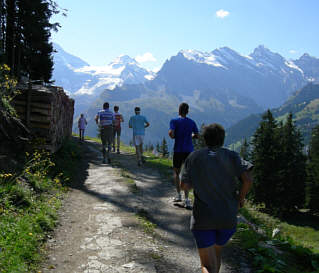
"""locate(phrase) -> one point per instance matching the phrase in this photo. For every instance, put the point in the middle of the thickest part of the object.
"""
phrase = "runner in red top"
(117, 128)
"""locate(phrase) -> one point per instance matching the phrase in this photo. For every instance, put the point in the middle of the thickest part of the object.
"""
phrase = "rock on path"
(99, 231)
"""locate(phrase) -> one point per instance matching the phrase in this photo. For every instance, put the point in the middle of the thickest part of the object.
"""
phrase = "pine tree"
(200, 142)
(25, 37)
(265, 156)
(2, 30)
(34, 20)
(164, 148)
(158, 148)
(291, 183)
(245, 150)
(312, 184)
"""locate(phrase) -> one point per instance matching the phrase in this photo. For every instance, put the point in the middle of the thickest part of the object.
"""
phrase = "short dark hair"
(116, 108)
(214, 135)
(183, 108)
(137, 109)
(106, 105)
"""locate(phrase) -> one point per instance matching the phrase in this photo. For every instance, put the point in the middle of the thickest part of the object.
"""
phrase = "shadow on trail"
(167, 220)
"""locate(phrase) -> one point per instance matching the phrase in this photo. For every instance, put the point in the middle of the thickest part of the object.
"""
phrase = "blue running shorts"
(207, 238)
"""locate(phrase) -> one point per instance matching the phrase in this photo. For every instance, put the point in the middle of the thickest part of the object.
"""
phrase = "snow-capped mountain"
(265, 76)
(220, 86)
(84, 82)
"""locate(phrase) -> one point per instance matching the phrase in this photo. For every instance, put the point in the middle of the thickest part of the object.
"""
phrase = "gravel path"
(99, 231)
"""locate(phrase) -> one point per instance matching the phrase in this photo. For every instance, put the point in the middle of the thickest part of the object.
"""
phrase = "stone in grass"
(275, 232)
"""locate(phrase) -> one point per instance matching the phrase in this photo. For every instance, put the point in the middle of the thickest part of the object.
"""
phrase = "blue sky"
(98, 31)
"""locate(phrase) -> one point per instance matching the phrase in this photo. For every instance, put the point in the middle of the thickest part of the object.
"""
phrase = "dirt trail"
(99, 231)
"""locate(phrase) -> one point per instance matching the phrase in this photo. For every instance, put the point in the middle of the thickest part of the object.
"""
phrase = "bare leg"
(209, 260)
(218, 250)
(176, 180)
(118, 142)
(137, 148)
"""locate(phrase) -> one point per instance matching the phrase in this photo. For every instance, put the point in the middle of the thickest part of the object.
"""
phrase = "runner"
(182, 130)
(117, 128)
(212, 172)
(105, 119)
(138, 123)
(81, 125)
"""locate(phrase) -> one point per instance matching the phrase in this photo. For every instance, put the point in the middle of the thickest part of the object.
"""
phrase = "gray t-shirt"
(214, 174)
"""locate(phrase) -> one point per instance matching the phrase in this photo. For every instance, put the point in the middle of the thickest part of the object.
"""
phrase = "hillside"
(303, 104)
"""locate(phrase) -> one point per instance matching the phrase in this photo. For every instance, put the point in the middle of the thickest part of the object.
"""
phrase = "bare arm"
(171, 134)
(122, 119)
(97, 119)
(147, 124)
(247, 182)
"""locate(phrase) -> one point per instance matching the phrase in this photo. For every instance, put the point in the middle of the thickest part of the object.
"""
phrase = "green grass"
(29, 201)
(145, 222)
(299, 244)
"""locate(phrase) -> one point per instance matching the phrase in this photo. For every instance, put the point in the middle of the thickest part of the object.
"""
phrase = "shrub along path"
(120, 218)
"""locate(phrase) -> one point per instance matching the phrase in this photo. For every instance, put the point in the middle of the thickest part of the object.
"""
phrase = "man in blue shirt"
(138, 123)
(105, 119)
(182, 130)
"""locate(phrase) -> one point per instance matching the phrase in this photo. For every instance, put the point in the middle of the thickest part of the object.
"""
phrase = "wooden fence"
(47, 112)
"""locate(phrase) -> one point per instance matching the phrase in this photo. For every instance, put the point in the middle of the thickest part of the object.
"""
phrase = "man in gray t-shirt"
(213, 172)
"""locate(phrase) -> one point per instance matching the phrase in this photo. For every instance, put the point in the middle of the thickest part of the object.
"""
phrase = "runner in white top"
(82, 125)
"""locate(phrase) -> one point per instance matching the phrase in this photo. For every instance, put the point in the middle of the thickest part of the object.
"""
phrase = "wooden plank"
(33, 104)
(34, 110)
(41, 119)
(28, 106)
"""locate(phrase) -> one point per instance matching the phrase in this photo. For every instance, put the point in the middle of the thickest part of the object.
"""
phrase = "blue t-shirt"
(138, 122)
(183, 129)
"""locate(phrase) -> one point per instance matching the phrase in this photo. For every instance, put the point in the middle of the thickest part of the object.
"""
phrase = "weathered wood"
(28, 105)
(33, 104)
(45, 112)
(51, 113)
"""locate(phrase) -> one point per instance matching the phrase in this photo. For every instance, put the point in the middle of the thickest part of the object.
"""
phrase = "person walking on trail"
(117, 128)
(105, 119)
(213, 172)
(182, 130)
(82, 125)
(138, 123)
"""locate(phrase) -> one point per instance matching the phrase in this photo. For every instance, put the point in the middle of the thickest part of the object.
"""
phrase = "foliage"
(245, 150)
(7, 91)
(292, 173)
(295, 246)
(279, 166)
(25, 40)
(312, 184)
(29, 201)
(164, 148)
(265, 157)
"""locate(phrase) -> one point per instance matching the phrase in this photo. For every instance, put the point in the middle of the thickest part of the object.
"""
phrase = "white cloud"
(222, 13)
(146, 57)
(292, 51)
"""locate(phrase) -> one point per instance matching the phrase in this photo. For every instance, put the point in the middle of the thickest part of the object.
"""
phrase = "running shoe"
(177, 198)
(188, 204)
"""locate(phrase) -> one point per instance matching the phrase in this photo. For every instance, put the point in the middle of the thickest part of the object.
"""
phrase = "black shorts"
(179, 159)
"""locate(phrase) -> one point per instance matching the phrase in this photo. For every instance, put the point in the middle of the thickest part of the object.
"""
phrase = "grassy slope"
(29, 201)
